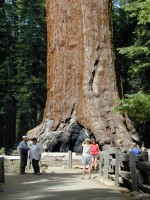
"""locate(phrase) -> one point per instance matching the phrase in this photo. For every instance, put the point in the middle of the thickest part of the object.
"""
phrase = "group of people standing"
(33, 151)
(90, 156)
(91, 153)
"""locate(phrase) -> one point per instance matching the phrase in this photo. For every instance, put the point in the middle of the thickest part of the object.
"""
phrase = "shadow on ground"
(55, 186)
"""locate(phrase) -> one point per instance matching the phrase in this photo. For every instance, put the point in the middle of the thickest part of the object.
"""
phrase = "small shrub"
(2, 151)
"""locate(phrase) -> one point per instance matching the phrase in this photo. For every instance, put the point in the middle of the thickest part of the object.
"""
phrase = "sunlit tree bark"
(81, 77)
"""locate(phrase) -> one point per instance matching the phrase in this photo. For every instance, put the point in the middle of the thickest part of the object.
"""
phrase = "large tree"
(81, 77)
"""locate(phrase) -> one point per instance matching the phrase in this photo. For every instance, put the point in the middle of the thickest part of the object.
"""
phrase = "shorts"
(94, 155)
(86, 160)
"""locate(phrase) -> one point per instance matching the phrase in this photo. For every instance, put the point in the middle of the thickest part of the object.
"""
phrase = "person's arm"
(40, 146)
(30, 153)
(28, 147)
(91, 149)
(20, 153)
(20, 149)
(38, 151)
(98, 148)
(82, 144)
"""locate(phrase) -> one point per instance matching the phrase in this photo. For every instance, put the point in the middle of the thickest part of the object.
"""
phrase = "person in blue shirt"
(135, 149)
(23, 150)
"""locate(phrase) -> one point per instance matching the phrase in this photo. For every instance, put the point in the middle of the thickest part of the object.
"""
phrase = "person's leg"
(22, 165)
(89, 167)
(83, 172)
(89, 171)
(84, 166)
(37, 167)
(34, 165)
(92, 163)
(25, 162)
(95, 163)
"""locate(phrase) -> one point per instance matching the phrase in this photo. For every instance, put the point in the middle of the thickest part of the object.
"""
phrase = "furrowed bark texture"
(81, 79)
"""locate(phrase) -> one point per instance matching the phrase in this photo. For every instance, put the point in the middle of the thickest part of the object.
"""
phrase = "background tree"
(22, 67)
(135, 64)
(7, 101)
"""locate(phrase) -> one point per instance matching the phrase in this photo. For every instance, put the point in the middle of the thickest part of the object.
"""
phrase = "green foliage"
(139, 9)
(2, 151)
(136, 105)
(22, 65)
(138, 53)
(133, 56)
(132, 41)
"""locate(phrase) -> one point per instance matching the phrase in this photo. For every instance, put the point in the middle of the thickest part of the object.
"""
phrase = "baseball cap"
(24, 136)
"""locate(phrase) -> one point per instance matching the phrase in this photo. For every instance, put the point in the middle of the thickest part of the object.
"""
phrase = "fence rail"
(133, 170)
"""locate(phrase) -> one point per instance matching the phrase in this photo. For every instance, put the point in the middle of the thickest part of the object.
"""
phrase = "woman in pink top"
(94, 154)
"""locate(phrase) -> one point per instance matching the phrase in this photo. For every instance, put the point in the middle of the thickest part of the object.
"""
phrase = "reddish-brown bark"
(81, 77)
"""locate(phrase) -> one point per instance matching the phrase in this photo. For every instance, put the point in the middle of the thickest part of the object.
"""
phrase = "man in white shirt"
(35, 155)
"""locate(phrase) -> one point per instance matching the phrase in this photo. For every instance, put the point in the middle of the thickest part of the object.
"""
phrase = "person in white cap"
(23, 150)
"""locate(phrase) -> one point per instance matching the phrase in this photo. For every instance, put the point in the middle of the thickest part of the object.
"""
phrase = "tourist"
(23, 151)
(135, 149)
(29, 145)
(35, 155)
(94, 154)
(86, 157)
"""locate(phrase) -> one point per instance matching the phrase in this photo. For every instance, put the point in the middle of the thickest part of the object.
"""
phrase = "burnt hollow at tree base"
(67, 137)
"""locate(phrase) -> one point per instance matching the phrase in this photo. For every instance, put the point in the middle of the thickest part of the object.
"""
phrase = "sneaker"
(82, 177)
(38, 174)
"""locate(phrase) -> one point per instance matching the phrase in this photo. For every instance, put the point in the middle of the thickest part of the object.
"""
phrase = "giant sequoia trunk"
(81, 79)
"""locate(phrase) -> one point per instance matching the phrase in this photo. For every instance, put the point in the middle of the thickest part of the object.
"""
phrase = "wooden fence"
(127, 169)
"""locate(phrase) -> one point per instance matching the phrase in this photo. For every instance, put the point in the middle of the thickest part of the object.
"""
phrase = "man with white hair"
(23, 150)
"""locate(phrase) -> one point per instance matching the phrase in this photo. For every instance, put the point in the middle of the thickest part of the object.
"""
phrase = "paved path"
(59, 186)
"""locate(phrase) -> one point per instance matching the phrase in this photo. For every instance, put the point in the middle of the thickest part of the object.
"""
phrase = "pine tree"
(22, 67)
(31, 63)
(137, 64)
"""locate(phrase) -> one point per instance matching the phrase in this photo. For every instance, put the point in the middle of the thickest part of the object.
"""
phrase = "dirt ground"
(60, 184)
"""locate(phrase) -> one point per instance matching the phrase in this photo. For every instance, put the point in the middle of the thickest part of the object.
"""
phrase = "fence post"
(117, 166)
(134, 177)
(69, 159)
(144, 155)
(2, 172)
(100, 163)
(106, 163)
